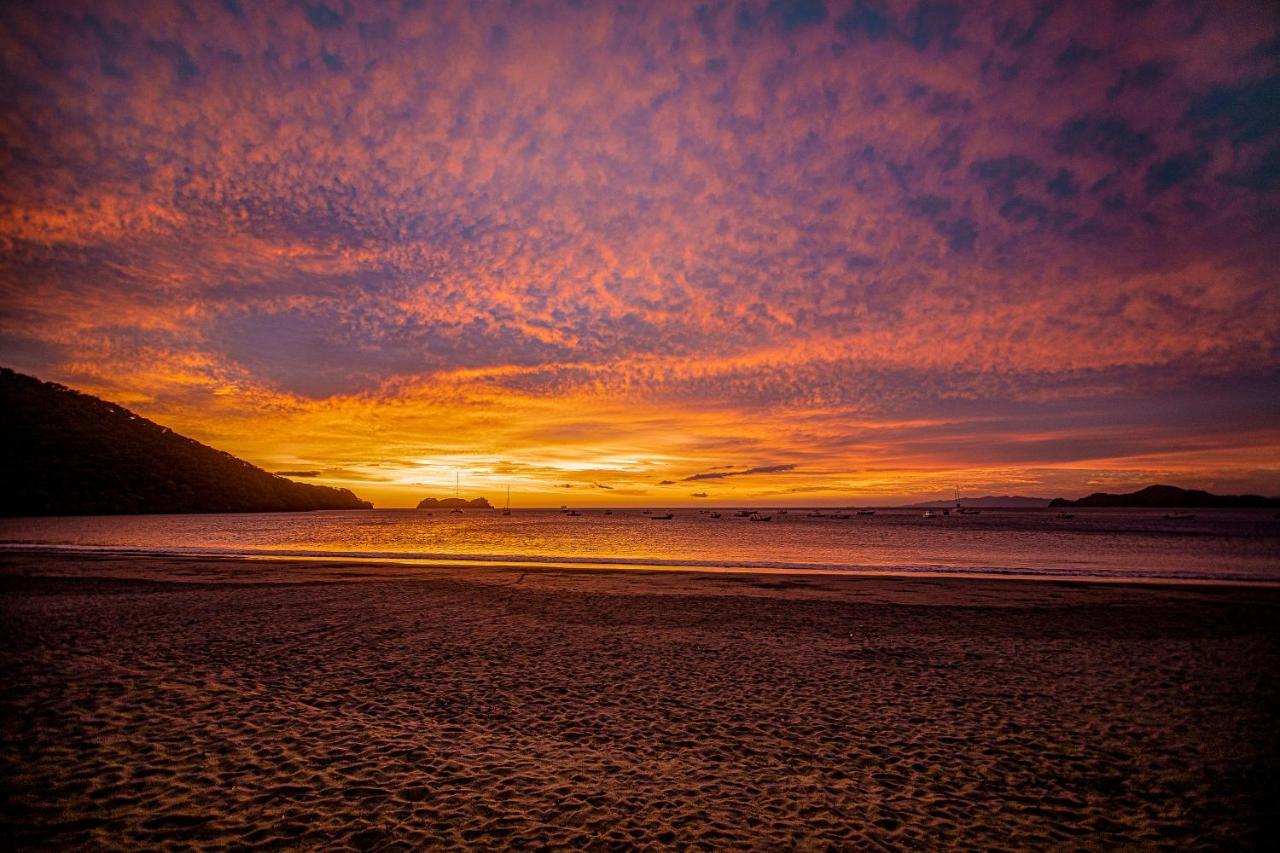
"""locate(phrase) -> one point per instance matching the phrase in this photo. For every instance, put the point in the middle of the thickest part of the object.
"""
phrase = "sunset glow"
(659, 253)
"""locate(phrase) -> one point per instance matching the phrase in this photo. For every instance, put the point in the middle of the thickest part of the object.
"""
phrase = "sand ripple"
(598, 713)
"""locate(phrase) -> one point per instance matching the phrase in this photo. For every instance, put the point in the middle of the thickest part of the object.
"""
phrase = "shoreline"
(480, 563)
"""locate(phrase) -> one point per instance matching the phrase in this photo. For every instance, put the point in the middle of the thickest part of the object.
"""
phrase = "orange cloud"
(623, 244)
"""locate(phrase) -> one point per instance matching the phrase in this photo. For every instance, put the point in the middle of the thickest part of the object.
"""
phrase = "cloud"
(1002, 175)
(595, 243)
(1110, 136)
(1176, 170)
(720, 475)
(1242, 113)
(1076, 54)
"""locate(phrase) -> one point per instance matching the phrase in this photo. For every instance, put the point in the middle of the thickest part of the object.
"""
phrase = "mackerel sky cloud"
(863, 248)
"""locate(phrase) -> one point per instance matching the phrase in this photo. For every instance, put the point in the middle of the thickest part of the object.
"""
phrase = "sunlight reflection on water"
(1239, 544)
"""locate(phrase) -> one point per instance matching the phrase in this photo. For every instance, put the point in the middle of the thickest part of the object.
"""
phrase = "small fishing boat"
(457, 493)
(665, 517)
(573, 512)
(715, 515)
(742, 513)
(758, 517)
(1179, 516)
(506, 510)
(1066, 515)
(866, 512)
(963, 510)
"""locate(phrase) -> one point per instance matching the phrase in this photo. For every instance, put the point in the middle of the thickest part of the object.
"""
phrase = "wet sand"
(221, 703)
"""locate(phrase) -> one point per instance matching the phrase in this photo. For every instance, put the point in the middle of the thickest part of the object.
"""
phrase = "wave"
(545, 561)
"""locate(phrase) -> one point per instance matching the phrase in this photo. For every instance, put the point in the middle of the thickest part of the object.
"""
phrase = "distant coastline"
(1168, 497)
(987, 502)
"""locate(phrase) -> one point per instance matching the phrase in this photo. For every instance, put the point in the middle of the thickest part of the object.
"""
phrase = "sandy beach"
(222, 703)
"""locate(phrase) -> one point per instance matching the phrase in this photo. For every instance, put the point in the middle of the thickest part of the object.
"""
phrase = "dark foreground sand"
(382, 708)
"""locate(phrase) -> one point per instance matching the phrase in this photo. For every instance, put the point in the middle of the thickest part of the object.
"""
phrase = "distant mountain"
(451, 503)
(1163, 497)
(988, 502)
(68, 453)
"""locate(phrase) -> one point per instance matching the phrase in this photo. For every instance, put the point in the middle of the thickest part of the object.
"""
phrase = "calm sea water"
(1216, 544)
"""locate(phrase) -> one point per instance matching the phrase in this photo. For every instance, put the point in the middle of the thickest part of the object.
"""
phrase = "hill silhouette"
(1168, 497)
(451, 503)
(68, 453)
(988, 502)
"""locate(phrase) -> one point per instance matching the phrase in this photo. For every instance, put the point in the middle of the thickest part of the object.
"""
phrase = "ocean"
(1236, 545)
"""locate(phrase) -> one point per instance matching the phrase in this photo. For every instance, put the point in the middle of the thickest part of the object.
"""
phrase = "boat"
(1179, 516)
(928, 513)
(815, 514)
(573, 512)
(608, 512)
(663, 517)
(962, 510)
(457, 494)
(866, 512)
(506, 510)
(758, 517)
(1066, 515)
(742, 513)
(715, 515)
(842, 515)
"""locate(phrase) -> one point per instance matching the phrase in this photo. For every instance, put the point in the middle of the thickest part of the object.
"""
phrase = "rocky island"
(454, 503)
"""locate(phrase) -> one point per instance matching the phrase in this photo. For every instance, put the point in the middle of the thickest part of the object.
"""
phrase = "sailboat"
(506, 510)
(964, 510)
(457, 493)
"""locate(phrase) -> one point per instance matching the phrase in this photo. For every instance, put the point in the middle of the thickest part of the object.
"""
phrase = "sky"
(659, 253)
